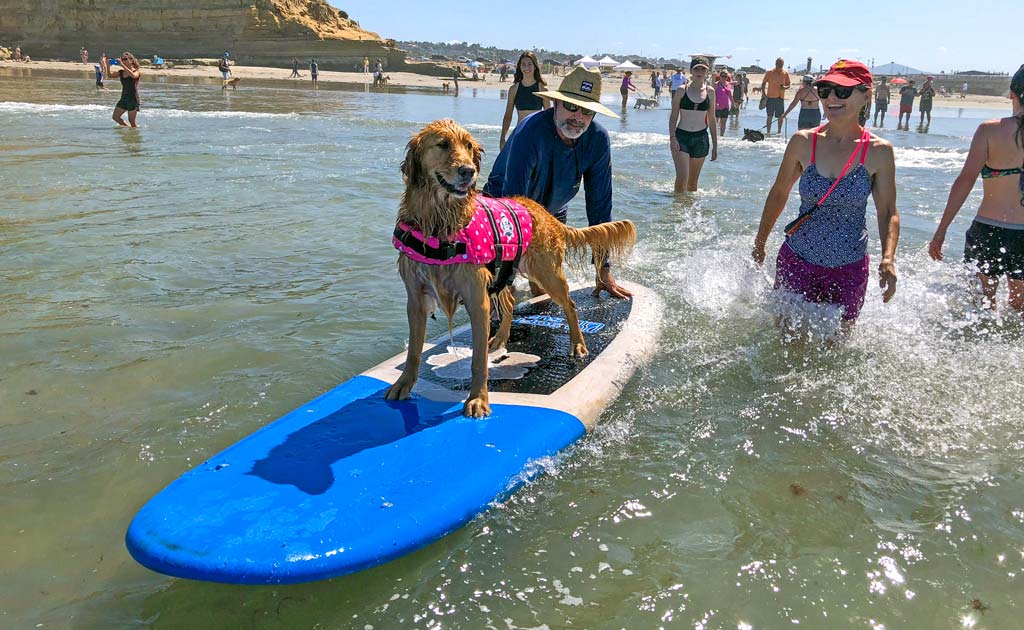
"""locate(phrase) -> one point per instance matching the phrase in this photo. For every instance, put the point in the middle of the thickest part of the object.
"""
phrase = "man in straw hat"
(552, 151)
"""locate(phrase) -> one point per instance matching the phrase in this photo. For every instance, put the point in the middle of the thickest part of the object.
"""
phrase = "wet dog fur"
(441, 167)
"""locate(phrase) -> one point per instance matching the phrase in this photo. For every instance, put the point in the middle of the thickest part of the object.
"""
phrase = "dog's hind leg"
(417, 308)
(548, 273)
(506, 302)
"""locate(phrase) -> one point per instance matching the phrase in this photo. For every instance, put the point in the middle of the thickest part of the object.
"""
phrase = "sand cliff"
(255, 32)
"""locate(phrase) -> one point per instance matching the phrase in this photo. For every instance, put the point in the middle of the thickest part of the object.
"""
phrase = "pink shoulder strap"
(814, 142)
(865, 139)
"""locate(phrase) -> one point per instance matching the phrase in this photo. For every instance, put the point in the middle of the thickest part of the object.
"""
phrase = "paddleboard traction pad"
(540, 329)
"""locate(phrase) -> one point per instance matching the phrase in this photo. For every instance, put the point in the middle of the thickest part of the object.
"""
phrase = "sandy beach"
(397, 79)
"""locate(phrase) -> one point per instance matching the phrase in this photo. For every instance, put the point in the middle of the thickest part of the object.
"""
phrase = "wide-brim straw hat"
(580, 87)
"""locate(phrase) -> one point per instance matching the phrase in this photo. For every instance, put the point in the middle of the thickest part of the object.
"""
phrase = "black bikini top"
(686, 103)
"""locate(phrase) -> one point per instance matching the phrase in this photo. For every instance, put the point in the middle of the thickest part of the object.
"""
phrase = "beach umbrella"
(474, 64)
(627, 65)
(898, 81)
(607, 62)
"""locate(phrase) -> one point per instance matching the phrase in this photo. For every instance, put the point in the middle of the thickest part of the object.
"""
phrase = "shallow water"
(168, 290)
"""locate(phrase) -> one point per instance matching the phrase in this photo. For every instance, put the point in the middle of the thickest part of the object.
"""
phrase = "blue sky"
(931, 35)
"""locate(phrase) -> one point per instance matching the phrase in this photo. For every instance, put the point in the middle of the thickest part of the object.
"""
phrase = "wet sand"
(404, 79)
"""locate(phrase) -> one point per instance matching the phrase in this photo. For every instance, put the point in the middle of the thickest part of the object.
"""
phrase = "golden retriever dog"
(441, 166)
(230, 83)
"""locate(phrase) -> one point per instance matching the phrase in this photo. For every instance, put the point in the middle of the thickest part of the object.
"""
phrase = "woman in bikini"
(525, 83)
(807, 96)
(824, 257)
(693, 115)
(995, 240)
(129, 101)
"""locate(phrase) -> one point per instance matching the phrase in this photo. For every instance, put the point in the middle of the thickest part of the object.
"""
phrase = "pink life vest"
(494, 221)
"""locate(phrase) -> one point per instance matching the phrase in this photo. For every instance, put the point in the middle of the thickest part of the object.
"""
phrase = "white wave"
(482, 127)
(13, 106)
(622, 139)
(931, 157)
(36, 108)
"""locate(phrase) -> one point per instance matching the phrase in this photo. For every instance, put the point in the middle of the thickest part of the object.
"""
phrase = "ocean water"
(168, 290)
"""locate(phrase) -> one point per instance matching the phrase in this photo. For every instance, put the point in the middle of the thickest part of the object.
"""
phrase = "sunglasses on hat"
(842, 92)
(573, 107)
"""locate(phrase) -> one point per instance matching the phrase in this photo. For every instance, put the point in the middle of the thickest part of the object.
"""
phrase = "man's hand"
(887, 280)
(605, 282)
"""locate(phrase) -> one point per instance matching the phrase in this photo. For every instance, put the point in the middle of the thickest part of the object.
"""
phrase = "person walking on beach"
(17, 53)
(522, 94)
(824, 257)
(314, 73)
(907, 94)
(773, 87)
(99, 77)
(963, 90)
(723, 101)
(84, 55)
(129, 101)
(626, 87)
(692, 116)
(656, 84)
(295, 69)
(678, 80)
(553, 151)
(225, 67)
(807, 96)
(924, 106)
(366, 65)
(739, 95)
(995, 240)
(882, 98)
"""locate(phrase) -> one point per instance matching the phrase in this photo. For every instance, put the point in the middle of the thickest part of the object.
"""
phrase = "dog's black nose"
(467, 171)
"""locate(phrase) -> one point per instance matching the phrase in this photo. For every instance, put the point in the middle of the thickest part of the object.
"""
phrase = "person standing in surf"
(314, 73)
(692, 116)
(995, 240)
(824, 257)
(807, 96)
(129, 101)
(723, 100)
(882, 97)
(552, 152)
(522, 94)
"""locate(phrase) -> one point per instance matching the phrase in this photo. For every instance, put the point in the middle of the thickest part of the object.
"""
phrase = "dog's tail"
(609, 241)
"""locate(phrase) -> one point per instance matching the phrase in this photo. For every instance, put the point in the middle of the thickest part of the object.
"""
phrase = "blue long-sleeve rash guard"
(536, 164)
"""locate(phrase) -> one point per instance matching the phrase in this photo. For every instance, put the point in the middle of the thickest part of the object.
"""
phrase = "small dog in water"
(646, 102)
(445, 86)
(440, 202)
(752, 135)
(232, 83)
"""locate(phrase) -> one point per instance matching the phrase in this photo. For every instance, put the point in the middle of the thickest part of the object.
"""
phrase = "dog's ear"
(478, 153)
(411, 171)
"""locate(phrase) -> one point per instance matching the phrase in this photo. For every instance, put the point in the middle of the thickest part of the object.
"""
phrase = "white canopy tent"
(587, 62)
(627, 65)
(607, 62)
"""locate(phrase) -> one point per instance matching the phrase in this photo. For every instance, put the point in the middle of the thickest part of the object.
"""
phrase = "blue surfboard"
(350, 480)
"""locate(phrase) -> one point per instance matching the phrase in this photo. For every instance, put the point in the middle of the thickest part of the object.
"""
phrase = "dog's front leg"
(507, 302)
(416, 310)
(478, 305)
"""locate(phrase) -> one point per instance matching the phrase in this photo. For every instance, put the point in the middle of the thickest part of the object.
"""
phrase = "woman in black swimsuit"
(525, 83)
(693, 111)
(129, 101)
(995, 240)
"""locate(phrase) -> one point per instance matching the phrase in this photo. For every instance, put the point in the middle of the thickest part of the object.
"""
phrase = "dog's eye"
(444, 144)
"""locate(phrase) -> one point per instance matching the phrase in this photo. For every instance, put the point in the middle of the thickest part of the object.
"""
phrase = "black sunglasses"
(843, 92)
(573, 107)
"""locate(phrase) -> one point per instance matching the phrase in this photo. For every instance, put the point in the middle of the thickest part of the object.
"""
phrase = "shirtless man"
(882, 98)
(773, 86)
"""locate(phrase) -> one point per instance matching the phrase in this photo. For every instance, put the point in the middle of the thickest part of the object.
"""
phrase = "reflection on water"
(164, 297)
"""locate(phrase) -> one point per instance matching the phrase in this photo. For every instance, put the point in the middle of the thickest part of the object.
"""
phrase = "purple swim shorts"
(844, 286)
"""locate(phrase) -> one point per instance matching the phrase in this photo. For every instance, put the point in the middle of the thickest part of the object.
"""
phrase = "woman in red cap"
(824, 257)
(995, 241)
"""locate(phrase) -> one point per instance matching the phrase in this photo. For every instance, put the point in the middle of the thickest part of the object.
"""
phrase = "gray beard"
(569, 132)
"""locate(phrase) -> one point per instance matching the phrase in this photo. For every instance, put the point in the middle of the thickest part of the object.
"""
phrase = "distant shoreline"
(398, 80)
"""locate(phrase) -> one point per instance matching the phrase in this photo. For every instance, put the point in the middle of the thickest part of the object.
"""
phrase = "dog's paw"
(497, 342)
(476, 407)
(580, 350)
(399, 391)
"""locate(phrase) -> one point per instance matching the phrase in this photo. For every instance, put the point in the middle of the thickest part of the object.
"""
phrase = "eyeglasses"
(843, 92)
(573, 107)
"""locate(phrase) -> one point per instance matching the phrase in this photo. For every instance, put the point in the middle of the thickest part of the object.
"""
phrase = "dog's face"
(443, 156)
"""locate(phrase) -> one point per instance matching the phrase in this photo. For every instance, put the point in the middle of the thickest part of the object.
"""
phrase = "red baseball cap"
(847, 73)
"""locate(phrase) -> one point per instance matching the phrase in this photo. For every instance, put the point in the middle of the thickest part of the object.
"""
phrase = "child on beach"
(824, 257)
(626, 87)
(995, 240)
(129, 101)
(692, 116)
